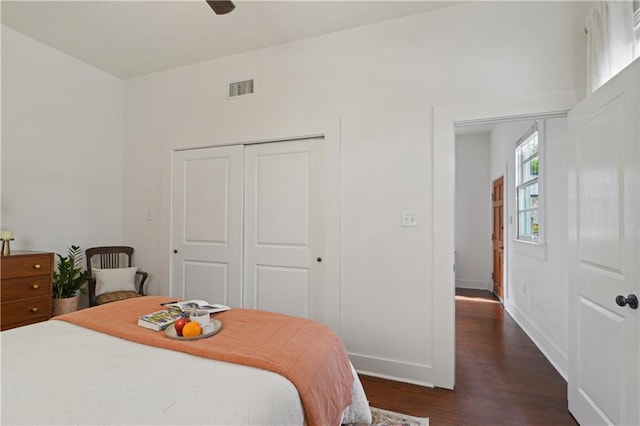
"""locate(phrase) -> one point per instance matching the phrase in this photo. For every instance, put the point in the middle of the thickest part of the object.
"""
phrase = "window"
(528, 186)
(636, 30)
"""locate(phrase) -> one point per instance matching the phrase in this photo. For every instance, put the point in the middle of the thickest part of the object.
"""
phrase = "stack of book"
(159, 320)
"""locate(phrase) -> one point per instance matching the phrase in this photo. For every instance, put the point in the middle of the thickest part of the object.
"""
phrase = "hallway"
(501, 376)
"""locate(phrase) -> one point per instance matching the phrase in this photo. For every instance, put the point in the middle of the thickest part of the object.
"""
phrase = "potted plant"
(67, 280)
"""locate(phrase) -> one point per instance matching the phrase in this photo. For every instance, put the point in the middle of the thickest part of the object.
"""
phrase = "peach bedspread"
(307, 353)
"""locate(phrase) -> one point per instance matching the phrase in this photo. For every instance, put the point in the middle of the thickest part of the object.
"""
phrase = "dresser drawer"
(26, 266)
(25, 310)
(22, 288)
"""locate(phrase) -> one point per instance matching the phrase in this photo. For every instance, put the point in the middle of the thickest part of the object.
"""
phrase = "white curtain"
(610, 44)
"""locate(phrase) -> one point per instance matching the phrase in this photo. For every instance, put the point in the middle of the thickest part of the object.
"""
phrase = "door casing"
(445, 119)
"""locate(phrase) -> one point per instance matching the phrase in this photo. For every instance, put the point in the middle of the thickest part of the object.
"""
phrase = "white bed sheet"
(55, 372)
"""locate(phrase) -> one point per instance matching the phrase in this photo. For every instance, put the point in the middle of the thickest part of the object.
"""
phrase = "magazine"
(159, 320)
(200, 305)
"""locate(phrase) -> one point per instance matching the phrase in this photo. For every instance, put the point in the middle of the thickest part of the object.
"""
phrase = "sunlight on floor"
(476, 299)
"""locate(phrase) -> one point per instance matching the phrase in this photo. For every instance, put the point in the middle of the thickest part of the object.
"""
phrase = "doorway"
(446, 120)
(480, 209)
(497, 237)
(472, 212)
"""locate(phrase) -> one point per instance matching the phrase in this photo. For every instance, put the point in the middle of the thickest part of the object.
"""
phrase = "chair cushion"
(115, 279)
(115, 296)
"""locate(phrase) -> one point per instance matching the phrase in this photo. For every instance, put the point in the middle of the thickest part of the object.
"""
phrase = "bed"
(61, 372)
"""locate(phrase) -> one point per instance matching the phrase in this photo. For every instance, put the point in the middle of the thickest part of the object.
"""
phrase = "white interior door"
(207, 224)
(284, 228)
(604, 189)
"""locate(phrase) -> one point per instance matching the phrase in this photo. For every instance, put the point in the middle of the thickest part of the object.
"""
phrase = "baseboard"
(420, 374)
(473, 284)
(550, 350)
(392, 370)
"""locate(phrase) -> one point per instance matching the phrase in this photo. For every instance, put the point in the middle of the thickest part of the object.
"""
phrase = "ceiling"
(133, 38)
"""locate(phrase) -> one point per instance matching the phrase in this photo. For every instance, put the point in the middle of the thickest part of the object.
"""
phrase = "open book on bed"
(200, 305)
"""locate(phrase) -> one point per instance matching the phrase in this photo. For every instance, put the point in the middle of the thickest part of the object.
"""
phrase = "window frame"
(519, 169)
(636, 30)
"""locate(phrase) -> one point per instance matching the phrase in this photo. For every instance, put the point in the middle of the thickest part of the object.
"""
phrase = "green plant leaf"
(69, 276)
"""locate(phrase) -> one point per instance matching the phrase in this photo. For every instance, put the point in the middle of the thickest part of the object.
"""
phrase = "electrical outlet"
(409, 219)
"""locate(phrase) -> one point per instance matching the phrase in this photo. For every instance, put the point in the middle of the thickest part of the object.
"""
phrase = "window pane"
(528, 196)
(527, 159)
(529, 147)
(528, 225)
(527, 174)
(524, 224)
(530, 169)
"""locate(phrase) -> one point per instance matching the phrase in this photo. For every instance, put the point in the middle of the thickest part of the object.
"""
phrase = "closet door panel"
(206, 205)
(206, 280)
(207, 224)
(284, 228)
(282, 199)
(282, 290)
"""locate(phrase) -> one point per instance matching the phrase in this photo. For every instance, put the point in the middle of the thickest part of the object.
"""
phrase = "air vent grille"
(241, 88)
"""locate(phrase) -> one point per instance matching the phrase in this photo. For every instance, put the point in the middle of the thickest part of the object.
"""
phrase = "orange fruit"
(191, 329)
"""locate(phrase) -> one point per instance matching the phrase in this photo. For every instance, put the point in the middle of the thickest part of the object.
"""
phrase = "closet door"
(207, 224)
(283, 242)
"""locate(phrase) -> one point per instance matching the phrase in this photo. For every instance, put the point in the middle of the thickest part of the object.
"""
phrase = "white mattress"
(59, 373)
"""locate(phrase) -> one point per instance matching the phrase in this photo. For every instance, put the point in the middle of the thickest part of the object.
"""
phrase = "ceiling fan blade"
(221, 7)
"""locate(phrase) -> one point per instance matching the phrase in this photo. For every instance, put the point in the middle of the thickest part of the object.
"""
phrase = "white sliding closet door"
(248, 226)
(283, 235)
(207, 224)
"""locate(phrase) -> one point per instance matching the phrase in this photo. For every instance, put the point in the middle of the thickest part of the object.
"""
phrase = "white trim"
(443, 193)
(391, 369)
(551, 351)
(530, 249)
(474, 284)
(539, 127)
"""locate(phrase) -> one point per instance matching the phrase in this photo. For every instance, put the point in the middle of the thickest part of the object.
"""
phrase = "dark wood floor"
(501, 376)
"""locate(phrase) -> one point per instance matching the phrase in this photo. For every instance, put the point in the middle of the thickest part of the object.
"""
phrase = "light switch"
(409, 219)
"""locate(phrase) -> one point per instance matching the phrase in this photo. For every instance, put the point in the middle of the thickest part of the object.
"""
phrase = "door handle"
(631, 300)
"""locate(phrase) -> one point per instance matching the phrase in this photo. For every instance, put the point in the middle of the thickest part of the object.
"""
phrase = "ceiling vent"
(241, 88)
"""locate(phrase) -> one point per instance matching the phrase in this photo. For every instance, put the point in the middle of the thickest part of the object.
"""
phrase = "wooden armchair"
(112, 277)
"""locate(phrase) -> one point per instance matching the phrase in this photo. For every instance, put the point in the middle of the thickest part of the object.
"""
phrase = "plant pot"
(66, 305)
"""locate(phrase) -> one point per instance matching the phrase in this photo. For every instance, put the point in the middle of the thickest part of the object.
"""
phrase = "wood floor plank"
(501, 376)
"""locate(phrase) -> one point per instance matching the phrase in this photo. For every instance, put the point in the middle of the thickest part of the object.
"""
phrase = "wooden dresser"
(25, 288)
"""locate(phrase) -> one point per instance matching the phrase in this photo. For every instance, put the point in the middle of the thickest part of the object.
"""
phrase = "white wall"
(537, 277)
(376, 85)
(473, 212)
(62, 154)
